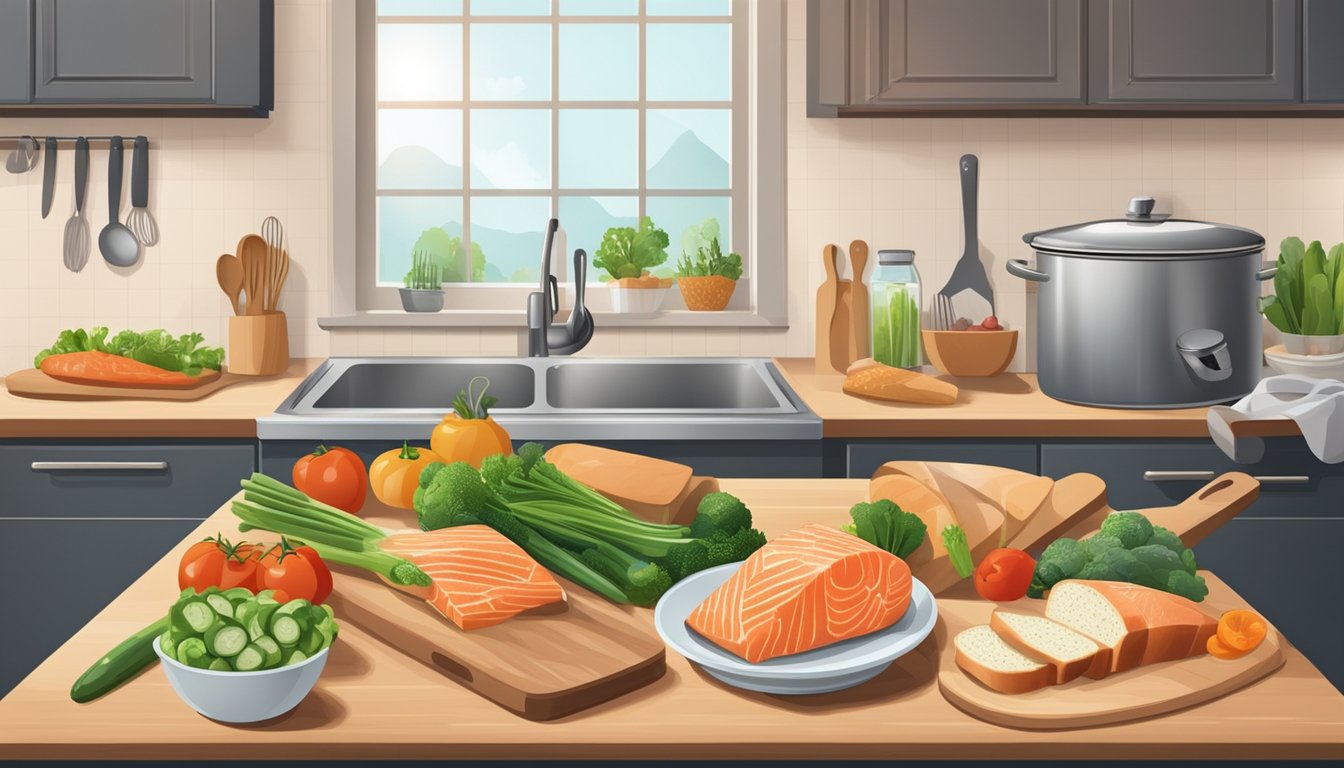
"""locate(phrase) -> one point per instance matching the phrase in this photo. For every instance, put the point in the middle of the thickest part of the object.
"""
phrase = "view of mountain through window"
(494, 115)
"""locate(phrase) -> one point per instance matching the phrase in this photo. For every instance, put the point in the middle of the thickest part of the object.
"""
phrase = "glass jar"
(894, 301)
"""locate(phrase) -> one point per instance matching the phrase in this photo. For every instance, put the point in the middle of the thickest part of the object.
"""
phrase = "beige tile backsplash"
(892, 182)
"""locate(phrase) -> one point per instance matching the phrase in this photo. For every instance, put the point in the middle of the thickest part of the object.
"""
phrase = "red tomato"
(333, 476)
(1004, 575)
(294, 573)
(217, 563)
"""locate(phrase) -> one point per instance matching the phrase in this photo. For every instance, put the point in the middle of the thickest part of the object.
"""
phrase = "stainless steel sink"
(548, 399)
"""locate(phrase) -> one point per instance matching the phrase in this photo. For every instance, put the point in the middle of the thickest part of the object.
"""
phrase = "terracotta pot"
(706, 294)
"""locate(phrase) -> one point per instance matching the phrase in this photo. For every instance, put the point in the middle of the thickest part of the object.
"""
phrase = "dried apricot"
(1242, 630)
(1220, 651)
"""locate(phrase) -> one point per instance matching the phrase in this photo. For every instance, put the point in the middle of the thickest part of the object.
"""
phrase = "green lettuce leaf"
(155, 347)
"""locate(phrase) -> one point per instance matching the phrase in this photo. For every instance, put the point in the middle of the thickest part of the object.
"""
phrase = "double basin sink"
(548, 399)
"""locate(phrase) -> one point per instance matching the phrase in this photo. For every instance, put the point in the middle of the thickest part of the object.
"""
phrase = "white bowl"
(830, 668)
(643, 301)
(243, 697)
(1315, 366)
(1299, 344)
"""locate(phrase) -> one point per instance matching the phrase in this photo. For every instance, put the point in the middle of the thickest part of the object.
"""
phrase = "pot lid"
(1147, 235)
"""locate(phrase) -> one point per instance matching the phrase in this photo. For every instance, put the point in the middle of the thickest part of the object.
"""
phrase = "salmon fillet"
(480, 577)
(105, 369)
(803, 590)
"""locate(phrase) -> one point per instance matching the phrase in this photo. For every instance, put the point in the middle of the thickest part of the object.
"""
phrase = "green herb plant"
(158, 348)
(426, 274)
(629, 252)
(710, 262)
(1308, 294)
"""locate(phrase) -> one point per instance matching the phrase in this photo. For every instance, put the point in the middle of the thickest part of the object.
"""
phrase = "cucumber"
(191, 651)
(220, 604)
(166, 643)
(226, 640)
(250, 659)
(220, 665)
(293, 656)
(120, 664)
(237, 594)
(193, 615)
(285, 629)
(272, 650)
(254, 628)
(311, 642)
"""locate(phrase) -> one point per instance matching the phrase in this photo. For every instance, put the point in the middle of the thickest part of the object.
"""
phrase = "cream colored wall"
(892, 182)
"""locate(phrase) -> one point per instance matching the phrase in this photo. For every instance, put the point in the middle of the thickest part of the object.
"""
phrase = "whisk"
(140, 221)
(277, 261)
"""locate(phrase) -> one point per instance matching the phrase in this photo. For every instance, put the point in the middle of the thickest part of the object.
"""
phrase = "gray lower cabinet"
(80, 521)
(16, 53)
(1156, 51)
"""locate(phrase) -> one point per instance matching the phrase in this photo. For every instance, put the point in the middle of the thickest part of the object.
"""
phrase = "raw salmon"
(808, 588)
(105, 369)
(480, 577)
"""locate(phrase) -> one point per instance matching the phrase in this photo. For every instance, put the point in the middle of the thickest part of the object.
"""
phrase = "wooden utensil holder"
(258, 344)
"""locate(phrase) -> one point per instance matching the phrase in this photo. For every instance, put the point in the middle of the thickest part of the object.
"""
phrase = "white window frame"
(757, 193)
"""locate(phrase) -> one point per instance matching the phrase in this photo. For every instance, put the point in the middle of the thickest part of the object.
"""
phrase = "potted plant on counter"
(627, 254)
(423, 291)
(707, 281)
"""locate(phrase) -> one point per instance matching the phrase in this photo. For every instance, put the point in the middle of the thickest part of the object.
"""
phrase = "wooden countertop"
(229, 412)
(372, 702)
(1005, 406)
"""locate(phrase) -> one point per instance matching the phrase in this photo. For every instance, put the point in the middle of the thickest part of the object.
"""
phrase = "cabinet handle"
(1283, 479)
(98, 466)
(1157, 476)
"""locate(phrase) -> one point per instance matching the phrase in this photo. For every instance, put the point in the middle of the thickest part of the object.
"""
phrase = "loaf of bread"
(882, 382)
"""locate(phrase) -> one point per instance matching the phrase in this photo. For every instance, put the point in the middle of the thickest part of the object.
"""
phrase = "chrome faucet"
(544, 339)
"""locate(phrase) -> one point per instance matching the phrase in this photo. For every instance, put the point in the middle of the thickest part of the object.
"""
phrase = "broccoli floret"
(454, 495)
(1126, 566)
(498, 468)
(642, 582)
(1098, 544)
(885, 525)
(720, 512)
(1068, 555)
(1098, 571)
(1188, 560)
(1160, 561)
(427, 474)
(1131, 528)
(1165, 537)
(1187, 585)
(685, 559)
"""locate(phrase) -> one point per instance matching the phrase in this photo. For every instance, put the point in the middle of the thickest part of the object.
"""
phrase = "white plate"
(833, 667)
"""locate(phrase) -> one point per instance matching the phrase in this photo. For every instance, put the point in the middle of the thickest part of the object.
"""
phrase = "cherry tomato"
(333, 476)
(216, 562)
(294, 573)
(1004, 574)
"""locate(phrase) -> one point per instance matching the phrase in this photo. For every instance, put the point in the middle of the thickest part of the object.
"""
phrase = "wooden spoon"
(252, 254)
(229, 272)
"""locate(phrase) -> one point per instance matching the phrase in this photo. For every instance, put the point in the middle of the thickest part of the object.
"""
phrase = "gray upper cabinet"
(1155, 51)
(16, 74)
(1322, 53)
(966, 51)
(188, 56)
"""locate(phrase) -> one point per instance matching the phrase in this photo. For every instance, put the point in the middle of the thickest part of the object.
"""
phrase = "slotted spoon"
(75, 249)
(969, 272)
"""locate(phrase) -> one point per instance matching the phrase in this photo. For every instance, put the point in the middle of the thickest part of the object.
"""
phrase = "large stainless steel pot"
(1147, 311)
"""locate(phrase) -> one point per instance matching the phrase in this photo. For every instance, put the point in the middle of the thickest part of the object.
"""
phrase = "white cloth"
(1317, 405)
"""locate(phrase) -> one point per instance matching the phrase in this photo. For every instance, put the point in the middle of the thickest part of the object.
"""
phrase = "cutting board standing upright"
(834, 310)
(543, 664)
(859, 311)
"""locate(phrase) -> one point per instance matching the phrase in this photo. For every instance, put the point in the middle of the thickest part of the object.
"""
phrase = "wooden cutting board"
(541, 665)
(31, 382)
(833, 316)
(1136, 694)
(859, 319)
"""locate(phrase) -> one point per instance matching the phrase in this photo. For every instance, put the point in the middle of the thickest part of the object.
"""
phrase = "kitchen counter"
(1004, 406)
(229, 412)
(373, 702)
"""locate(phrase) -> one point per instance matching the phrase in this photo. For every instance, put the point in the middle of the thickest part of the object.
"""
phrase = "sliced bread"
(1079, 606)
(984, 655)
(1139, 624)
(1069, 653)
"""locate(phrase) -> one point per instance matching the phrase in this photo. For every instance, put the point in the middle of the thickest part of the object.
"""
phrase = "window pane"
(510, 62)
(599, 148)
(688, 8)
(511, 148)
(688, 148)
(674, 214)
(689, 62)
(419, 62)
(419, 149)
(599, 7)
(509, 232)
(432, 224)
(599, 62)
(419, 7)
(510, 7)
(586, 219)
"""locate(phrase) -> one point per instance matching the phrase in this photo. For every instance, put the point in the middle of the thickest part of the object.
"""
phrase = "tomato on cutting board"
(395, 474)
(334, 476)
(216, 562)
(294, 573)
(1004, 574)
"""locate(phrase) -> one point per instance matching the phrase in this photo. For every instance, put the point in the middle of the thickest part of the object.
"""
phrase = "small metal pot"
(1147, 311)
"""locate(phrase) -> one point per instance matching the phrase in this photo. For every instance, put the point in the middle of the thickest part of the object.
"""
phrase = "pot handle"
(1205, 352)
(1266, 271)
(1019, 268)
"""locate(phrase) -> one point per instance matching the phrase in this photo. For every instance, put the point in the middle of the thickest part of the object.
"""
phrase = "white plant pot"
(1299, 344)
(638, 301)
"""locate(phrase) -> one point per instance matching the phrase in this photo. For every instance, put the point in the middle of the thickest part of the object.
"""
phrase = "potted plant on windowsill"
(707, 281)
(627, 254)
(423, 291)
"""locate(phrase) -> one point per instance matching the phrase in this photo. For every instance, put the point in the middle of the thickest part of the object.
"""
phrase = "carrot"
(101, 368)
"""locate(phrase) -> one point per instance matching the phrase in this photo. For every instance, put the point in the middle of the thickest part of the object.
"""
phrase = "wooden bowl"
(970, 353)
